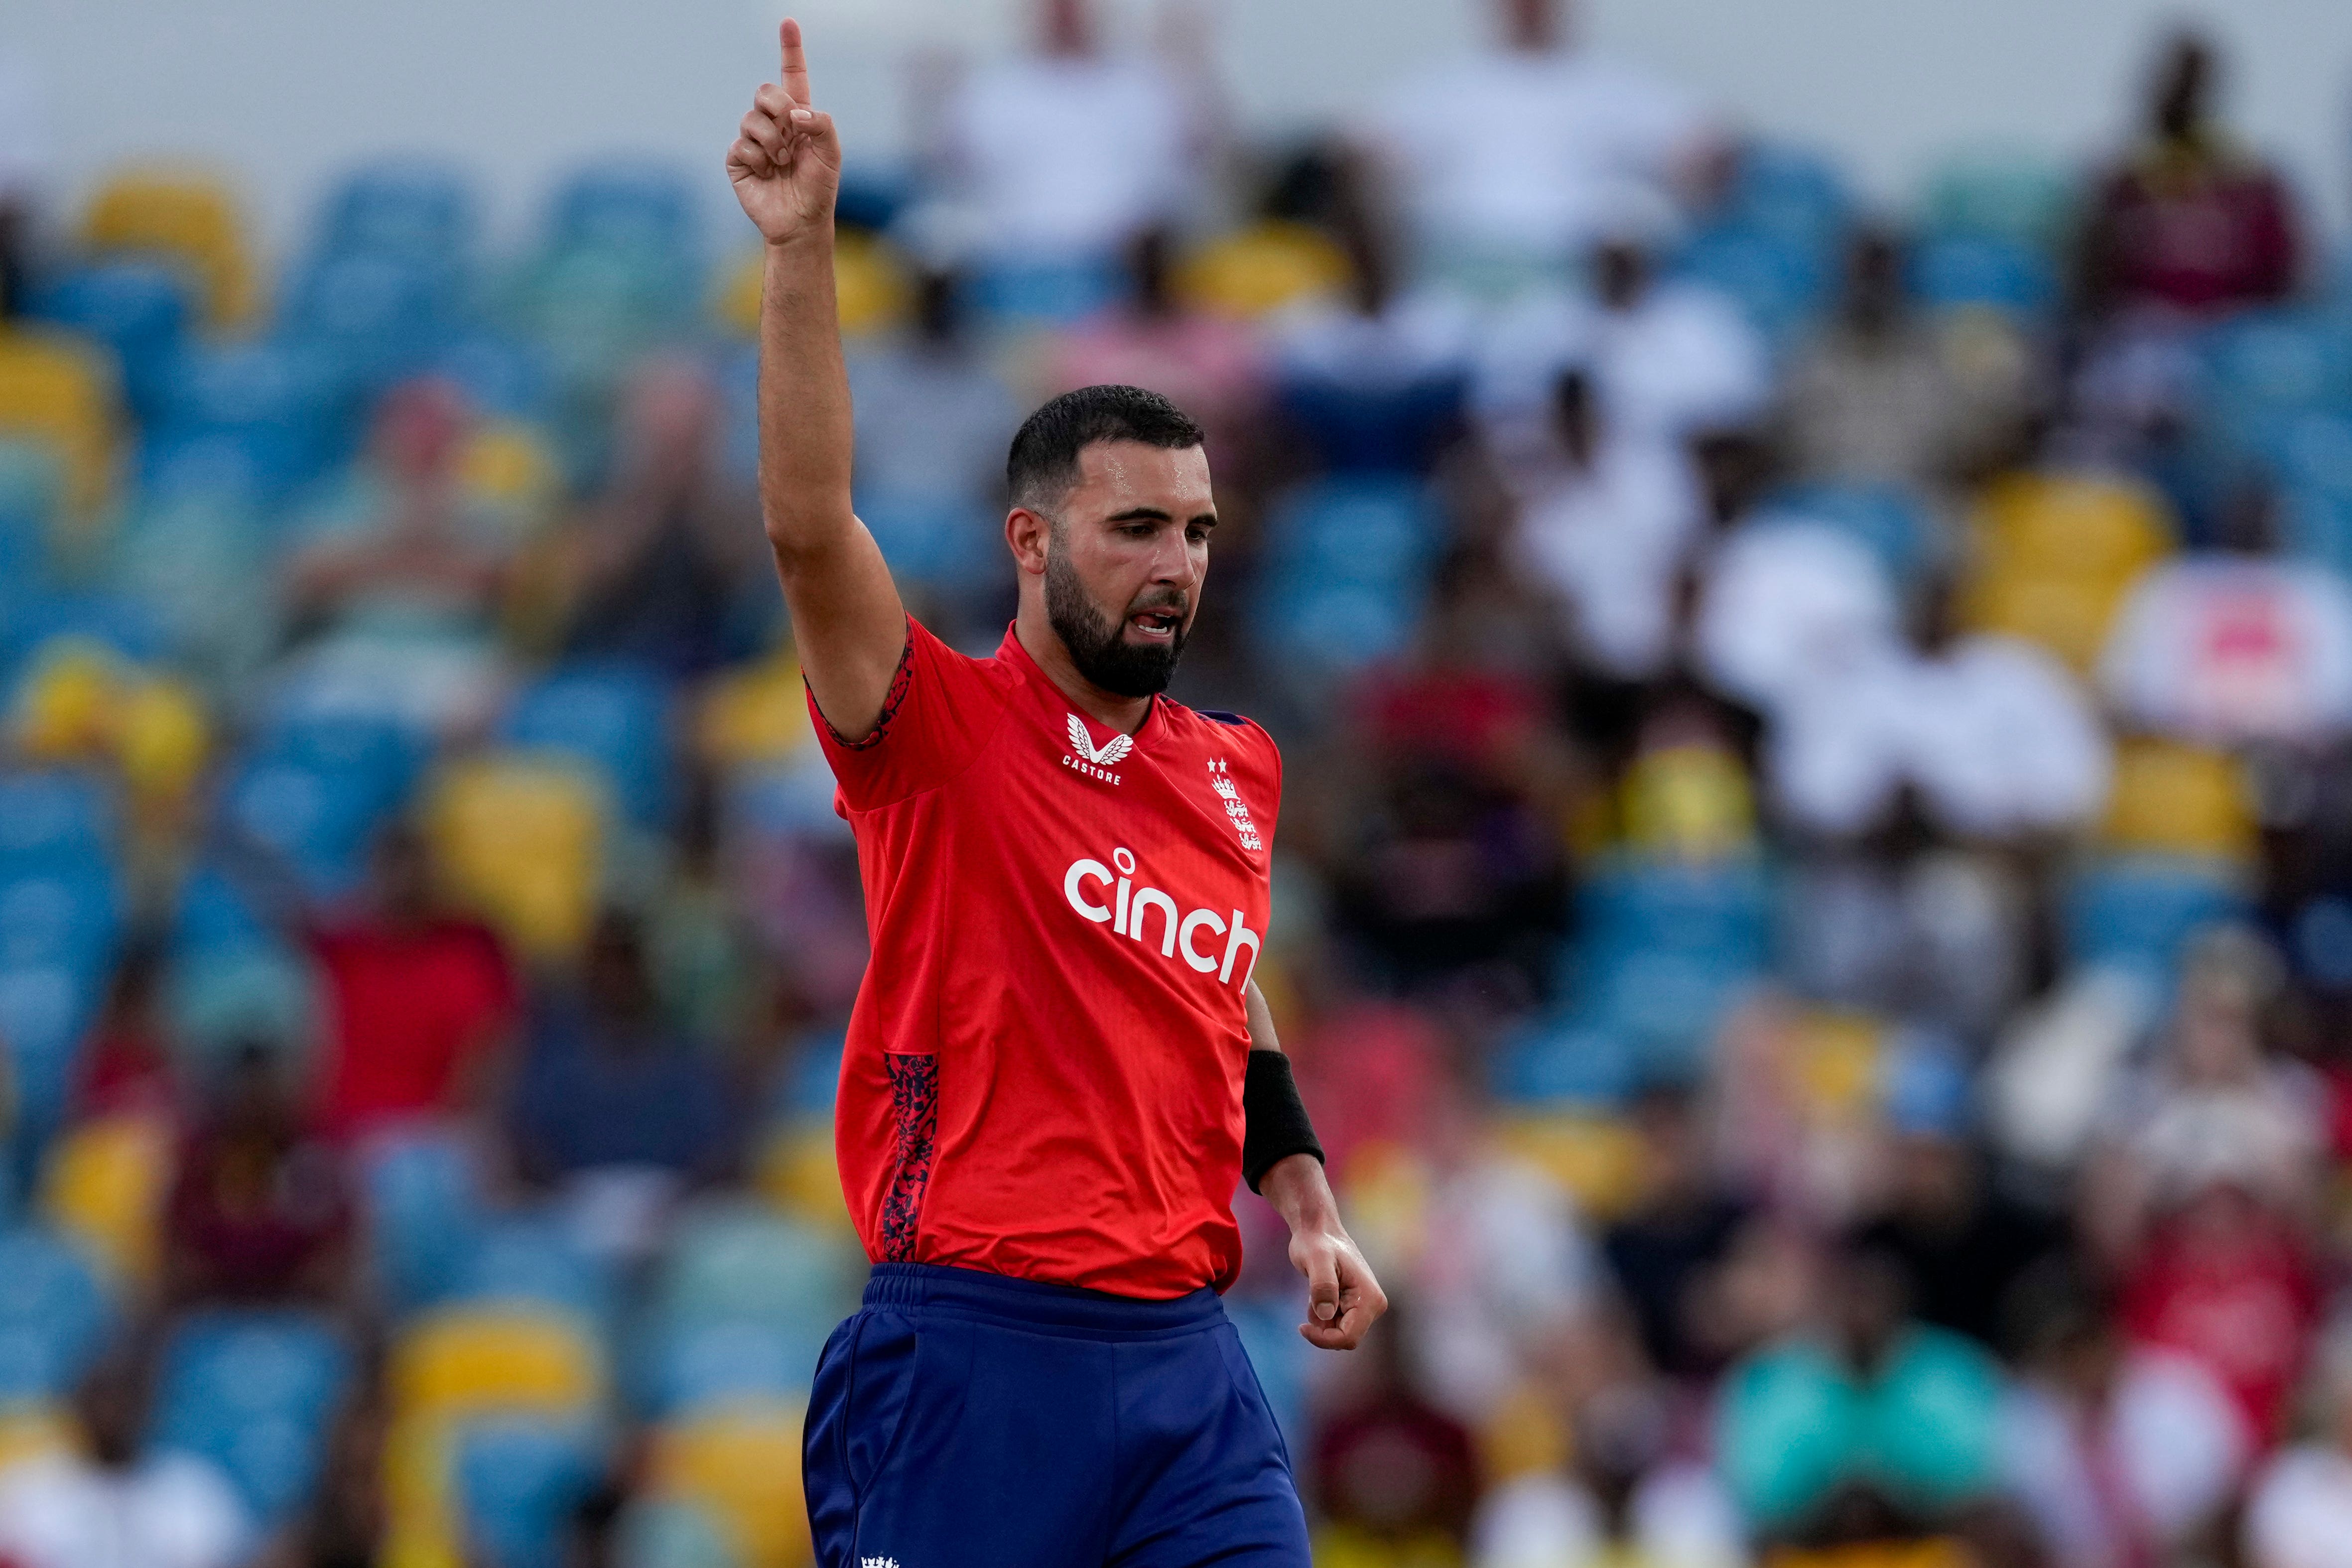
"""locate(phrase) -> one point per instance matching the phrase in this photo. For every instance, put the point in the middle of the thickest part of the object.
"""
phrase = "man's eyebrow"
(1153, 514)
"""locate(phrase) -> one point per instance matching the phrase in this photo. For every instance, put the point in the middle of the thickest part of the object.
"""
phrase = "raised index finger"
(795, 77)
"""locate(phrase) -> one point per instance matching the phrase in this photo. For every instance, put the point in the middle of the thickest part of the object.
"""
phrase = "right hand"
(785, 163)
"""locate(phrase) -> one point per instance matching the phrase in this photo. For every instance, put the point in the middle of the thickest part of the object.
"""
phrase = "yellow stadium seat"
(34, 1432)
(1260, 270)
(106, 1183)
(464, 1362)
(2067, 616)
(742, 1466)
(189, 218)
(1346, 1546)
(798, 1175)
(1835, 1063)
(869, 285)
(1689, 803)
(58, 391)
(1937, 1553)
(2073, 525)
(507, 478)
(64, 710)
(522, 839)
(161, 737)
(1525, 1434)
(1598, 1159)
(2171, 799)
(754, 715)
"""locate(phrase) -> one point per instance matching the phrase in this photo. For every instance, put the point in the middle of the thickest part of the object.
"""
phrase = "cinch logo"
(1179, 935)
(1095, 762)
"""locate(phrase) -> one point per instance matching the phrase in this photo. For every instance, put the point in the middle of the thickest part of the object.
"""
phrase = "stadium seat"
(737, 1260)
(743, 1467)
(254, 1391)
(54, 821)
(1779, 283)
(1987, 271)
(1257, 271)
(2274, 361)
(2139, 912)
(695, 1365)
(671, 1532)
(138, 309)
(54, 1316)
(870, 287)
(475, 1359)
(1997, 192)
(1891, 519)
(1016, 294)
(796, 1173)
(60, 389)
(533, 1260)
(317, 791)
(1595, 1157)
(190, 219)
(1563, 1059)
(1691, 802)
(754, 715)
(105, 1187)
(224, 999)
(643, 207)
(942, 542)
(2174, 799)
(1354, 429)
(2055, 553)
(504, 376)
(520, 838)
(281, 409)
(378, 317)
(416, 208)
(1787, 192)
(424, 1208)
(517, 1481)
(613, 716)
(32, 492)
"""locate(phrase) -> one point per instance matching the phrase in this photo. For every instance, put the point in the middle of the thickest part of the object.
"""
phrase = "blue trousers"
(964, 1420)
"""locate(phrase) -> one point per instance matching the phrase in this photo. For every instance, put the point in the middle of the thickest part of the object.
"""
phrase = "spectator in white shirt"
(2300, 1513)
(2226, 648)
(1672, 361)
(1605, 526)
(114, 1505)
(2119, 1453)
(1063, 154)
(1515, 158)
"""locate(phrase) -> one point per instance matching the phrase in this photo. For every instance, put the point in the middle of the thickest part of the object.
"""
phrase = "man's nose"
(1173, 562)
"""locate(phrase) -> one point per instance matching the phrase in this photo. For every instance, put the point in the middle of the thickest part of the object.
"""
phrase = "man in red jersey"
(1059, 1064)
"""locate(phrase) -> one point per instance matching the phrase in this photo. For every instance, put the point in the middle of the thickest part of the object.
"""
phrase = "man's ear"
(1029, 535)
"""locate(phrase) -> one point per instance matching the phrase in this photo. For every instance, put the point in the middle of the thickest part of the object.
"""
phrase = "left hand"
(1342, 1297)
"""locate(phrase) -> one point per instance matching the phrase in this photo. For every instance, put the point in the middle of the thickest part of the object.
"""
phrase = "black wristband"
(1274, 1119)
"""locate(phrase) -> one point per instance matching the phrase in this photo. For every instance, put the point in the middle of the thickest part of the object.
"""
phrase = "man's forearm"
(1298, 1190)
(806, 440)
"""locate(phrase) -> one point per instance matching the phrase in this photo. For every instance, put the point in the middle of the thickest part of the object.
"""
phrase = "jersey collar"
(1052, 696)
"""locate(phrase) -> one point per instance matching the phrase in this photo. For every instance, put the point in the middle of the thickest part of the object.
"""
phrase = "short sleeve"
(942, 707)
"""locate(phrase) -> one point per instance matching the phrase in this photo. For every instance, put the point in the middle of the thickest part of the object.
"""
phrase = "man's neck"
(1038, 639)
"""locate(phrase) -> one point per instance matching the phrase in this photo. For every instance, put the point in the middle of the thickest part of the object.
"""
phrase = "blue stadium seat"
(32, 487)
(610, 714)
(1780, 283)
(698, 1362)
(411, 207)
(321, 821)
(1356, 429)
(1991, 271)
(1045, 293)
(37, 616)
(1791, 194)
(504, 376)
(55, 820)
(283, 404)
(942, 541)
(2140, 912)
(517, 1480)
(61, 915)
(254, 1392)
(45, 1009)
(670, 1532)
(378, 317)
(534, 1258)
(54, 1316)
(734, 1260)
(2260, 370)
(425, 1213)
(1561, 1059)
(1890, 518)
(629, 206)
(1362, 529)
(2004, 193)
(137, 307)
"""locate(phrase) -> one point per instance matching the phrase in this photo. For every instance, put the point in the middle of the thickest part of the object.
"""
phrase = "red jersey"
(1043, 1072)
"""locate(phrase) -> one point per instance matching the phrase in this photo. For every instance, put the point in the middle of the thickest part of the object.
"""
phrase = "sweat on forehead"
(1044, 462)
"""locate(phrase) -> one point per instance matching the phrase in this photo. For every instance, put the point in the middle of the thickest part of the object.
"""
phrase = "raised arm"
(848, 626)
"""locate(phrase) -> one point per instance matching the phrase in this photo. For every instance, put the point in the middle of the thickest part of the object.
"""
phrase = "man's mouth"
(1159, 625)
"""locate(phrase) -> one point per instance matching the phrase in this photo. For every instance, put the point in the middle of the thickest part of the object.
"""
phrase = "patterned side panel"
(915, 1108)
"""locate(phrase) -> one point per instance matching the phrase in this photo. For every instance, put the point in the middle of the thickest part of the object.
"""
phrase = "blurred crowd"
(1814, 898)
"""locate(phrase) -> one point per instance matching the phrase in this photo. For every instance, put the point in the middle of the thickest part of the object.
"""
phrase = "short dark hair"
(1044, 462)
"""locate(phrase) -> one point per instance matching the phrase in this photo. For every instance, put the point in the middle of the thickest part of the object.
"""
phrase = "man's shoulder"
(1228, 737)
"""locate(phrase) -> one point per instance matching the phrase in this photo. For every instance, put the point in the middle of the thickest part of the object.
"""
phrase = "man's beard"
(1098, 646)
